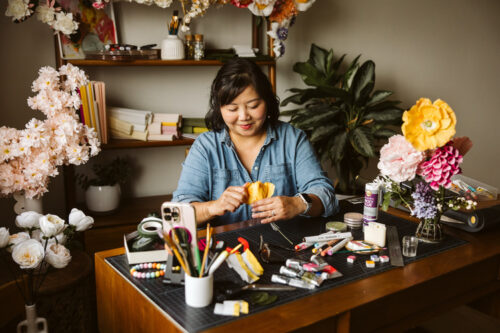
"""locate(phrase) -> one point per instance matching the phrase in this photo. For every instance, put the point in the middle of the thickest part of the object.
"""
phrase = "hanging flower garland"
(49, 12)
(281, 13)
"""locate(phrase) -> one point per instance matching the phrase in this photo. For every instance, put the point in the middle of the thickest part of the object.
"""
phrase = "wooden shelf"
(126, 144)
(145, 62)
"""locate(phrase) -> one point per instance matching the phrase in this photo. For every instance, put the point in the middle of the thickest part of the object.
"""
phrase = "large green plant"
(343, 117)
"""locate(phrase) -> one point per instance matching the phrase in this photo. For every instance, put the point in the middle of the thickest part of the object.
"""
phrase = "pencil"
(205, 253)
(236, 248)
(177, 255)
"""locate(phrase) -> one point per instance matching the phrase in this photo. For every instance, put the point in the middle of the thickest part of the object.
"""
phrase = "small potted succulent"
(103, 192)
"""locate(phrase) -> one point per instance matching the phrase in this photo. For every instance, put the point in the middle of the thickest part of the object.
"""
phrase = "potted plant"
(102, 193)
(343, 117)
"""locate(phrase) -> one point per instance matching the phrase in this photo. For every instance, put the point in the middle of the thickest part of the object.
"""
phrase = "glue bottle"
(370, 209)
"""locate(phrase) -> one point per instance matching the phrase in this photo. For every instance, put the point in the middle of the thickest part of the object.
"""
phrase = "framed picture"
(96, 28)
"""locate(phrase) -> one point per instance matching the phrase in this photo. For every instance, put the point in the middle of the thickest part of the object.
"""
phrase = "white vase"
(32, 323)
(172, 48)
(103, 199)
(24, 204)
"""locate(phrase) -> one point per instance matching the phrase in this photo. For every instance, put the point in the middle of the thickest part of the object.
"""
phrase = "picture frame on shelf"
(97, 27)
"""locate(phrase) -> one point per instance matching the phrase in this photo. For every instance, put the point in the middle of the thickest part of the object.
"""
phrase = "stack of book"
(93, 108)
(129, 123)
(192, 127)
(165, 127)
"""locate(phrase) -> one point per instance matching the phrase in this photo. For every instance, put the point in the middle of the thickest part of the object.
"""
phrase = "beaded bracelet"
(134, 270)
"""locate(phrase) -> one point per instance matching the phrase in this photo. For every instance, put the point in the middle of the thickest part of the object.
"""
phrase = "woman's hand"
(229, 201)
(277, 208)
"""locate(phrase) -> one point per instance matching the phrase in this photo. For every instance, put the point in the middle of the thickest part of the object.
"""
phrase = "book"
(199, 129)
(85, 106)
(100, 96)
(93, 110)
(154, 128)
(162, 137)
(140, 117)
(136, 135)
(199, 122)
(167, 118)
(120, 125)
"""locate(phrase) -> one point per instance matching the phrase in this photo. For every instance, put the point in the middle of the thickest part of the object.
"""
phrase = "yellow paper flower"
(429, 125)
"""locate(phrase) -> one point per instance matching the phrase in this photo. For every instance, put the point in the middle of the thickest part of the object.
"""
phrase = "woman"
(248, 143)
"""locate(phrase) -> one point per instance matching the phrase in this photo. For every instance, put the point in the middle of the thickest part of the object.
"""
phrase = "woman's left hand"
(277, 208)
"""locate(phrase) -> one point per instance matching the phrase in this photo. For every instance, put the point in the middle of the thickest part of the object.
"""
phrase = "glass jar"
(189, 46)
(199, 47)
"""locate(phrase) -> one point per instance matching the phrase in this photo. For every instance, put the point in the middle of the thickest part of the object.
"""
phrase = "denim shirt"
(286, 159)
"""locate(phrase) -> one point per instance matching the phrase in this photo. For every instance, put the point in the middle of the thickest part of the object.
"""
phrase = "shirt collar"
(271, 135)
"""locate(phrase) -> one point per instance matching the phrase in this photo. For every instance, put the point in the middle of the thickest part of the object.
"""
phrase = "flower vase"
(430, 230)
(24, 204)
(32, 323)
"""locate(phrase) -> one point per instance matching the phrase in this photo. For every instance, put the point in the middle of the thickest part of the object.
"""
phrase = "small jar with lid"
(189, 46)
(199, 47)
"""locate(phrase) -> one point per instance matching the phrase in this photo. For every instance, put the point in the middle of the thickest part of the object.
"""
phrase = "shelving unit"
(108, 230)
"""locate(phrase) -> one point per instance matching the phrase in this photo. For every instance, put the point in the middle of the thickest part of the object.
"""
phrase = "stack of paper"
(165, 127)
(129, 123)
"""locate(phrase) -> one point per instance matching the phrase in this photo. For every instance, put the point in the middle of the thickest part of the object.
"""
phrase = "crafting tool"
(276, 228)
(205, 253)
(221, 258)
(395, 254)
(255, 286)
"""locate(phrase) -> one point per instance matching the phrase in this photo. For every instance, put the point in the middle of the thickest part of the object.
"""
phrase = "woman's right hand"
(229, 201)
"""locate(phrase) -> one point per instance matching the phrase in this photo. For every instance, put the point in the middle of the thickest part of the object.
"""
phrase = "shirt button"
(256, 168)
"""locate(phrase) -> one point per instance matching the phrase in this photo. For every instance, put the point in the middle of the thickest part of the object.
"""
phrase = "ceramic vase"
(172, 48)
(430, 230)
(103, 199)
(32, 323)
(24, 204)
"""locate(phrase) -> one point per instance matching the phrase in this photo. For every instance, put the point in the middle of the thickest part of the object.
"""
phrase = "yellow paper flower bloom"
(429, 125)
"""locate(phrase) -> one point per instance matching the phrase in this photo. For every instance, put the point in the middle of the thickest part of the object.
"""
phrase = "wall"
(438, 49)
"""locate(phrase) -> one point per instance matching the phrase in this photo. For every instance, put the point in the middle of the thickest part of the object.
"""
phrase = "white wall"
(438, 49)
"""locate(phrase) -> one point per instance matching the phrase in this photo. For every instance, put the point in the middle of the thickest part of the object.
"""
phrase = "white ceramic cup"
(172, 48)
(199, 291)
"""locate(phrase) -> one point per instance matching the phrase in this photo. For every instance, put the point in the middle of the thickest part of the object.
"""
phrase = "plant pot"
(103, 199)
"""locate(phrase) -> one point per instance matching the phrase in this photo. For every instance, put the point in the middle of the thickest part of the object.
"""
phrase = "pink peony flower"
(399, 160)
(443, 164)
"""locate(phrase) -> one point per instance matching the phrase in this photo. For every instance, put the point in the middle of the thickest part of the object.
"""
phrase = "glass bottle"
(189, 46)
(199, 47)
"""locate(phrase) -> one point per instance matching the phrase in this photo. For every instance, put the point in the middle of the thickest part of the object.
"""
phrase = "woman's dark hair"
(231, 80)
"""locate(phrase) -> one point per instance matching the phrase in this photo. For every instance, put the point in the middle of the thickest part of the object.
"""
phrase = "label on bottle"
(370, 209)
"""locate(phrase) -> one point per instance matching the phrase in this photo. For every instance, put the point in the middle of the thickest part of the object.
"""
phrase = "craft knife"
(394, 247)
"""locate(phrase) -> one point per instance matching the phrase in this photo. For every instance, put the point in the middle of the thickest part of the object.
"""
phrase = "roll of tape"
(149, 227)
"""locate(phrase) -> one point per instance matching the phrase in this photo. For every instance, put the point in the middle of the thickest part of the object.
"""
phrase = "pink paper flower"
(443, 164)
(399, 160)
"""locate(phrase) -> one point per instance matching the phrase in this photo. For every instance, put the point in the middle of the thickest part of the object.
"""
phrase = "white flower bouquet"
(41, 244)
(30, 156)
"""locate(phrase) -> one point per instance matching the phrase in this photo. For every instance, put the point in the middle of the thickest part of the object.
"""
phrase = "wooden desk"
(391, 301)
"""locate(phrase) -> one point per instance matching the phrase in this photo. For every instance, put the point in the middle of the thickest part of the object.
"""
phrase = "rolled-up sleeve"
(310, 177)
(194, 181)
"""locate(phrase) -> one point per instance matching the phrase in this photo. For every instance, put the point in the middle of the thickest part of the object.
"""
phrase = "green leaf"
(364, 80)
(309, 73)
(349, 74)
(318, 58)
(337, 63)
(315, 120)
(290, 112)
(338, 147)
(384, 105)
(385, 116)
(361, 141)
(378, 96)
(384, 133)
(322, 132)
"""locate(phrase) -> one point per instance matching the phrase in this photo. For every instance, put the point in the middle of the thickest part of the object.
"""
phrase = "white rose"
(28, 254)
(45, 14)
(4, 237)
(28, 220)
(18, 9)
(51, 225)
(57, 255)
(17, 238)
(78, 219)
(65, 24)
(163, 3)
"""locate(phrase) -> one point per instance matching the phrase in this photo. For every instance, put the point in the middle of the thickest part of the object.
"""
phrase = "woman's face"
(246, 114)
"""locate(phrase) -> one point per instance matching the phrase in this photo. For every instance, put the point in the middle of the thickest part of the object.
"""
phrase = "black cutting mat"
(171, 298)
